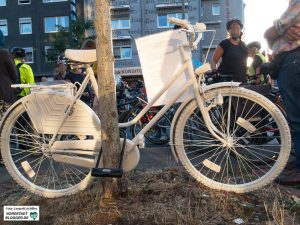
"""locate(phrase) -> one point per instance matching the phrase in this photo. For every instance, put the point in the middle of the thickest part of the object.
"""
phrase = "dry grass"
(160, 197)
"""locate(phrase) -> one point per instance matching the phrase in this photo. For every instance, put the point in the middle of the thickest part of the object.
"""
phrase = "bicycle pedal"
(107, 172)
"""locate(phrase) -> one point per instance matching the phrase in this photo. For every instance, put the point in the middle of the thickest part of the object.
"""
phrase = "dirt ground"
(168, 196)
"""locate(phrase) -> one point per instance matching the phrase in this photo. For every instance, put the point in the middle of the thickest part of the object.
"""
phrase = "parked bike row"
(130, 101)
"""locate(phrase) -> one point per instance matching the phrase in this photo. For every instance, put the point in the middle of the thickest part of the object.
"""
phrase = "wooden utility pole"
(107, 95)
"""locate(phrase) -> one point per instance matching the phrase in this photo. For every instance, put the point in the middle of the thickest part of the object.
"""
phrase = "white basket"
(57, 87)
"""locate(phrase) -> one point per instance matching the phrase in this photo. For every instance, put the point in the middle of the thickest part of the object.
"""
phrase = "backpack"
(18, 81)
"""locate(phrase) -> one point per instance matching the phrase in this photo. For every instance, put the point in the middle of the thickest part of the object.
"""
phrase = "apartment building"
(28, 24)
(135, 18)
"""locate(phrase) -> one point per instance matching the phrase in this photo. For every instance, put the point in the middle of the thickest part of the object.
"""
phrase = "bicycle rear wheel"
(253, 156)
(25, 155)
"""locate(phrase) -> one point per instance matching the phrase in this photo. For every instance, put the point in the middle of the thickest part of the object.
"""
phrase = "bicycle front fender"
(206, 88)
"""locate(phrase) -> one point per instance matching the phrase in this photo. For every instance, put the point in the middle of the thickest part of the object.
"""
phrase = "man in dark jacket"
(8, 76)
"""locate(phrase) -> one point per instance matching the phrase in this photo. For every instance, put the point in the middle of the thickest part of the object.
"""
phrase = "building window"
(29, 55)
(24, 2)
(215, 9)
(120, 23)
(50, 54)
(3, 27)
(50, 1)
(25, 25)
(122, 52)
(53, 24)
(2, 2)
(162, 19)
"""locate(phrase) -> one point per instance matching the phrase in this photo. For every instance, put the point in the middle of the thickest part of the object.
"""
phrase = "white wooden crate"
(160, 59)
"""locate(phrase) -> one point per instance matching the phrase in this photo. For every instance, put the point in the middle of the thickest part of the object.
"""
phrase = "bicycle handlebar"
(192, 29)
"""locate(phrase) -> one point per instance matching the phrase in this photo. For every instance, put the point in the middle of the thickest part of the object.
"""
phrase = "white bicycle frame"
(192, 82)
(198, 90)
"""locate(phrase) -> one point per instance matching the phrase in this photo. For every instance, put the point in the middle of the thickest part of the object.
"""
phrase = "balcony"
(170, 5)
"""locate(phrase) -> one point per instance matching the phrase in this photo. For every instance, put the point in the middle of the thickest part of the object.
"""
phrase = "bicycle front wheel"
(24, 152)
(257, 138)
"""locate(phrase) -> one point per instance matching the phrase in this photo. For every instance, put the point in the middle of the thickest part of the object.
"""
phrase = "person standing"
(232, 54)
(8, 75)
(24, 70)
(76, 77)
(61, 70)
(253, 72)
(283, 38)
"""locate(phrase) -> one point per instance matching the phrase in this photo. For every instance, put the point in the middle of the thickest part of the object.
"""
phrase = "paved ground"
(151, 158)
(156, 158)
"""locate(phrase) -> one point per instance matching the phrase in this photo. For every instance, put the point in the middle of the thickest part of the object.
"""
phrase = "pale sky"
(259, 15)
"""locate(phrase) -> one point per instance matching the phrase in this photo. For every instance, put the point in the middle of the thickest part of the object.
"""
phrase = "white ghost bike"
(51, 140)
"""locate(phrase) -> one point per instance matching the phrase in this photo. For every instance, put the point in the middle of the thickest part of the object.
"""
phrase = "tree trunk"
(107, 95)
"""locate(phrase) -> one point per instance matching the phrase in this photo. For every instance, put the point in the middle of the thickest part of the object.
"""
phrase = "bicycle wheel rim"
(214, 165)
(23, 156)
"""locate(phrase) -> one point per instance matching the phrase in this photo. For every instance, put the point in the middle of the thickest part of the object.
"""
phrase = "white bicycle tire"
(17, 175)
(238, 188)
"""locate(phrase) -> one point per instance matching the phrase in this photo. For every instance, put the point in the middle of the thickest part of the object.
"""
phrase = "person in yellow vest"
(253, 71)
(24, 70)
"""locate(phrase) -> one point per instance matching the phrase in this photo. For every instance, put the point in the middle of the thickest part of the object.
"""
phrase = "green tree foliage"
(71, 37)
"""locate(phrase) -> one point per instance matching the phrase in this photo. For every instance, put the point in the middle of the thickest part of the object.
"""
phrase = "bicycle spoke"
(244, 156)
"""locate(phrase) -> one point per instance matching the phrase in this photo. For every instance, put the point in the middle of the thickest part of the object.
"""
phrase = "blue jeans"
(289, 86)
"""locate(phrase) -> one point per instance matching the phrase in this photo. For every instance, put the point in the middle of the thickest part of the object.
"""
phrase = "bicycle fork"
(200, 101)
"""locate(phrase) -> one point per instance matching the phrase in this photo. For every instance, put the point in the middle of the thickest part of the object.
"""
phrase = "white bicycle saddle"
(83, 56)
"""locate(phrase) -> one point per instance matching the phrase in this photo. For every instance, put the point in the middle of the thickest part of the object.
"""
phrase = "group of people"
(13, 70)
(230, 58)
